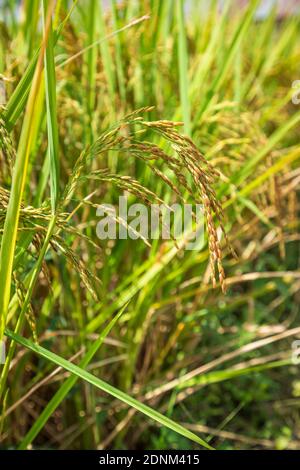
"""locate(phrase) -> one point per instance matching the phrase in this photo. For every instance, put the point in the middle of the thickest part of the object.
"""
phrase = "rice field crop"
(117, 333)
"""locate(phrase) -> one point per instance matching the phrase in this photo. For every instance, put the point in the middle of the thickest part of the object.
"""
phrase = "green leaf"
(106, 387)
(18, 183)
(183, 69)
(50, 85)
(67, 385)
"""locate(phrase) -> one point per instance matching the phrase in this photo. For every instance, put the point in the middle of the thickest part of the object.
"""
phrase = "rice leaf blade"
(106, 387)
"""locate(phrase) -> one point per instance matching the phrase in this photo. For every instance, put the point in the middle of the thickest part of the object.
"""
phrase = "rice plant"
(138, 342)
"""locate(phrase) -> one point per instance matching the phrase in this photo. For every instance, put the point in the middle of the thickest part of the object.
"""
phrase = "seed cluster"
(186, 172)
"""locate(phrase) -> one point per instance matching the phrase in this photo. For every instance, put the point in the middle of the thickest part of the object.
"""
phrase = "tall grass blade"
(50, 83)
(18, 183)
(183, 68)
(67, 385)
(104, 386)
